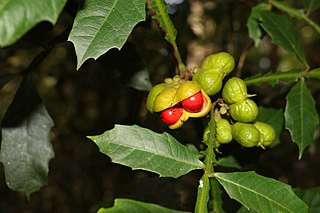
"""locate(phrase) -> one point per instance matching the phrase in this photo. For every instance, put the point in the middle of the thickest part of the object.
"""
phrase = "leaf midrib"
(251, 190)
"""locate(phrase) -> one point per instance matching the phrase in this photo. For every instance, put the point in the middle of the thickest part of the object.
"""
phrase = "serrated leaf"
(122, 205)
(273, 77)
(165, 22)
(273, 117)
(141, 148)
(260, 193)
(254, 22)
(102, 25)
(301, 117)
(311, 197)
(25, 147)
(283, 33)
(17, 17)
(311, 5)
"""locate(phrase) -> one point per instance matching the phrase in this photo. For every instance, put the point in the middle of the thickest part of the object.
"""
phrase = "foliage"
(100, 26)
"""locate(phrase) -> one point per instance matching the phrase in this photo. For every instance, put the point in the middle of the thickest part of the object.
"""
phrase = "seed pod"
(245, 111)
(267, 133)
(154, 92)
(220, 61)
(223, 131)
(245, 134)
(209, 80)
(234, 90)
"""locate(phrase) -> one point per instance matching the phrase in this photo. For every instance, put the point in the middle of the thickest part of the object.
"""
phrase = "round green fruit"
(234, 90)
(245, 111)
(222, 61)
(209, 80)
(223, 131)
(267, 133)
(247, 135)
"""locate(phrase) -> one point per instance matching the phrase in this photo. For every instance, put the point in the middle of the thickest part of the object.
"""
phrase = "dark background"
(91, 100)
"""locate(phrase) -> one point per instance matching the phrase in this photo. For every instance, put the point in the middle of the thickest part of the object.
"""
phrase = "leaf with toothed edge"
(141, 148)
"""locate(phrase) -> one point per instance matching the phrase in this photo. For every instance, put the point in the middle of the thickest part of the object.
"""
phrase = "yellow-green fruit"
(154, 92)
(245, 111)
(222, 61)
(267, 133)
(223, 131)
(245, 134)
(209, 80)
(186, 90)
(165, 99)
(234, 90)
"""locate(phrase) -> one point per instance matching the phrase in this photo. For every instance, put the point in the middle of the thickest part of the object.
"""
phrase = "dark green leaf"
(140, 148)
(229, 161)
(311, 5)
(122, 205)
(301, 117)
(294, 12)
(283, 33)
(311, 197)
(253, 23)
(261, 194)
(25, 147)
(102, 25)
(17, 17)
(275, 118)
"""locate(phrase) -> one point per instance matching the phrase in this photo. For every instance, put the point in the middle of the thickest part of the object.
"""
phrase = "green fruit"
(245, 111)
(222, 61)
(245, 134)
(209, 80)
(234, 90)
(267, 133)
(154, 92)
(223, 131)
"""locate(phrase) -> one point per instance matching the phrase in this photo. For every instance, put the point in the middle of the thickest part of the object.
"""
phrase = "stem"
(171, 33)
(315, 73)
(216, 195)
(204, 183)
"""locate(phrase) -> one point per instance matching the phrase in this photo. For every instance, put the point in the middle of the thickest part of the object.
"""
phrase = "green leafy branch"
(167, 26)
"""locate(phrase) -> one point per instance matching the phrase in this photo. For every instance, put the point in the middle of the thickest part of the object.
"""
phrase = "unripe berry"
(267, 133)
(245, 134)
(209, 80)
(245, 111)
(234, 90)
(220, 61)
(223, 131)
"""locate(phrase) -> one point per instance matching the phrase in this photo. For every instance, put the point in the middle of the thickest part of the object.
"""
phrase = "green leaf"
(25, 146)
(283, 33)
(311, 5)
(229, 161)
(122, 205)
(294, 12)
(273, 117)
(301, 117)
(17, 17)
(140, 148)
(311, 197)
(102, 25)
(164, 20)
(254, 21)
(260, 193)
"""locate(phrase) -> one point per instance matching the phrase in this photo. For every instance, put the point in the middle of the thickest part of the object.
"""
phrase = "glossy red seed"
(172, 115)
(193, 103)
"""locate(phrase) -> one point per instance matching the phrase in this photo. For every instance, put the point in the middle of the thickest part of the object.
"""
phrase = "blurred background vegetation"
(93, 99)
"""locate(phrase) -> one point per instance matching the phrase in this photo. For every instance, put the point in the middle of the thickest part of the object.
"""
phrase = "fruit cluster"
(177, 100)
